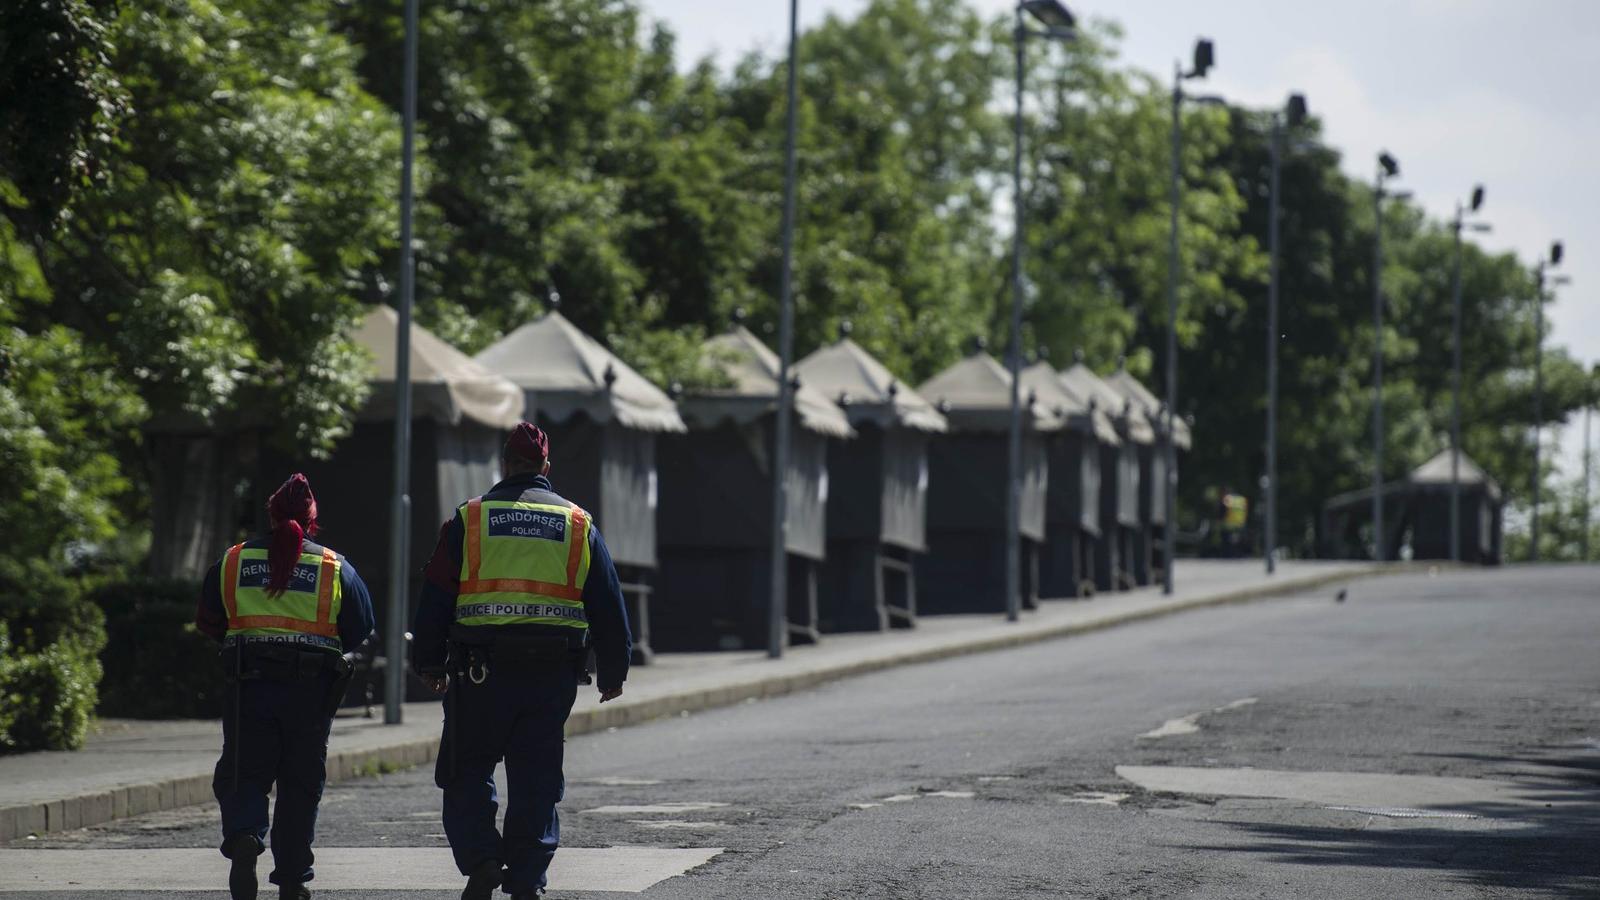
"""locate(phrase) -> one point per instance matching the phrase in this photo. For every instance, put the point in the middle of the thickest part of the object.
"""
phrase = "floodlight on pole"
(1388, 167)
(1294, 114)
(1556, 254)
(1460, 223)
(1058, 22)
(1205, 58)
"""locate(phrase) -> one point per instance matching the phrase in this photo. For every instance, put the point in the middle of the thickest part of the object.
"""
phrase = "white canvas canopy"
(1081, 380)
(1436, 472)
(866, 389)
(975, 394)
(1054, 395)
(446, 385)
(566, 372)
(1130, 387)
(754, 372)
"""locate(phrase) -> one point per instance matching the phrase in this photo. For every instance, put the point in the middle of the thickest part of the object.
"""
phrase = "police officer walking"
(519, 590)
(286, 610)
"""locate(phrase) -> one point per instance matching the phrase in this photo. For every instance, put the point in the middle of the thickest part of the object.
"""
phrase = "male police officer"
(286, 610)
(519, 584)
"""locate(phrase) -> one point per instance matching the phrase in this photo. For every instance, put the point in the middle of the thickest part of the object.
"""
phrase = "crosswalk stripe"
(617, 869)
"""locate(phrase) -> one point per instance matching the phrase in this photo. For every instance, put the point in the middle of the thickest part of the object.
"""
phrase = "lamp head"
(1296, 110)
(1391, 166)
(1050, 13)
(1477, 197)
(1556, 252)
(1205, 57)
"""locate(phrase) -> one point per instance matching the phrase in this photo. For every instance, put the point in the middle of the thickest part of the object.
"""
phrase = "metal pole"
(1584, 544)
(1170, 527)
(400, 511)
(1455, 399)
(1377, 372)
(778, 617)
(1272, 349)
(1014, 351)
(1538, 407)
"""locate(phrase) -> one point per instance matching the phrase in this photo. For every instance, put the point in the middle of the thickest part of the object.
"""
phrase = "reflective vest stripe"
(474, 539)
(579, 540)
(230, 582)
(323, 626)
(522, 586)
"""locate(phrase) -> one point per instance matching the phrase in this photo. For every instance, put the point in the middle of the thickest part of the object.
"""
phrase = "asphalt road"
(1430, 737)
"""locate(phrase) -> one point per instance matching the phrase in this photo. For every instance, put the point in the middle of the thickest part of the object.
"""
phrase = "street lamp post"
(1295, 114)
(394, 673)
(1204, 59)
(1058, 23)
(1556, 253)
(1455, 370)
(778, 613)
(1388, 167)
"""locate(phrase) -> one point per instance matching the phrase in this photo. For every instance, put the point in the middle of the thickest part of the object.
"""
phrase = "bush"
(157, 664)
(48, 692)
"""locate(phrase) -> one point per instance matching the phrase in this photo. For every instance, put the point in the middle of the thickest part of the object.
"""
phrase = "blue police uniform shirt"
(603, 603)
(356, 621)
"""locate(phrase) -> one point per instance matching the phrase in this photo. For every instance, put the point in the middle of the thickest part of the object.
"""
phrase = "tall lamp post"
(1556, 252)
(1057, 23)
(1588, 457)
(778, 614)
(1455, 369)
(1388, 168)
(1204, 59)
(1293, 115)
(394, 673)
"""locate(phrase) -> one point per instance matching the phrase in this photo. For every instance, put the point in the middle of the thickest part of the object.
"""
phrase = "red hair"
(293, 511)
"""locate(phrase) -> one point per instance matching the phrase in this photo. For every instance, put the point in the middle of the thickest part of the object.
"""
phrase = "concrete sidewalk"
(132, 767)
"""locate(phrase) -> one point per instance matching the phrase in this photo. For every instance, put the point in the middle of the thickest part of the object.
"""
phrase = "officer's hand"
(436, 683)
(612, 694)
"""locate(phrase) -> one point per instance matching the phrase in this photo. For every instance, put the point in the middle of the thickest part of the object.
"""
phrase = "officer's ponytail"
(293, 512)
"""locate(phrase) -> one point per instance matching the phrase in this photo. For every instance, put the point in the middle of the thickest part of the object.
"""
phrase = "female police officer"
(286, 610)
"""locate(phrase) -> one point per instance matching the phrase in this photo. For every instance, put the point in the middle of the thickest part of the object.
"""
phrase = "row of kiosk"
(894, 495)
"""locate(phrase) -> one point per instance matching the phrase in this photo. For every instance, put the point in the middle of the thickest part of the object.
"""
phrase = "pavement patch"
(654, 808)
(1356, 789)
(628, 870)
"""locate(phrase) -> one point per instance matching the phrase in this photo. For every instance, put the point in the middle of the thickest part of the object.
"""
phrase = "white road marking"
(954, 795)
(900, 798)
(621, 869)
(654, 808)
(621, 781)
(988, 778)
(864, 805)
(1191, 723)
(675, 823)
(1096, 798)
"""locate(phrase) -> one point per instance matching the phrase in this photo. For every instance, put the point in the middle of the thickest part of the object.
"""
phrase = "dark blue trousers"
(282, 739)
(517, 717)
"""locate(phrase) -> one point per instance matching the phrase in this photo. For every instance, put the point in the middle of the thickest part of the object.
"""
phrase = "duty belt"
(523, 610)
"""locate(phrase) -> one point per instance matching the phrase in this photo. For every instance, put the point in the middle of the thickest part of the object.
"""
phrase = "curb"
(99, 807)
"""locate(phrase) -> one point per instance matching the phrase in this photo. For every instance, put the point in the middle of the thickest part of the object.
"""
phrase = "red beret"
(528, 442)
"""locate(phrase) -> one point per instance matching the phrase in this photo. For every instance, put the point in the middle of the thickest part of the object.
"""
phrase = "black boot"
(293, 892)
(483, 880)
(242, 849)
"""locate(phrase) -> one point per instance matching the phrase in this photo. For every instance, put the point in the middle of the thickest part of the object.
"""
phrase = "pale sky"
(1459, 91)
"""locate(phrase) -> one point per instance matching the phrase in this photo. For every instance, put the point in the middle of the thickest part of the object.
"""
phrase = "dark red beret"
(528, 442)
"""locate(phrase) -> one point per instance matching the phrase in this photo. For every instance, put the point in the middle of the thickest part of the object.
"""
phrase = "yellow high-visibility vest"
(1235, 511)
(307, 612)
(525, 562)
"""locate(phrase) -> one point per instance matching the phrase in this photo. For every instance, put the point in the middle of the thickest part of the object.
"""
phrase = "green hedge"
(157, 664)
(49, 671)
